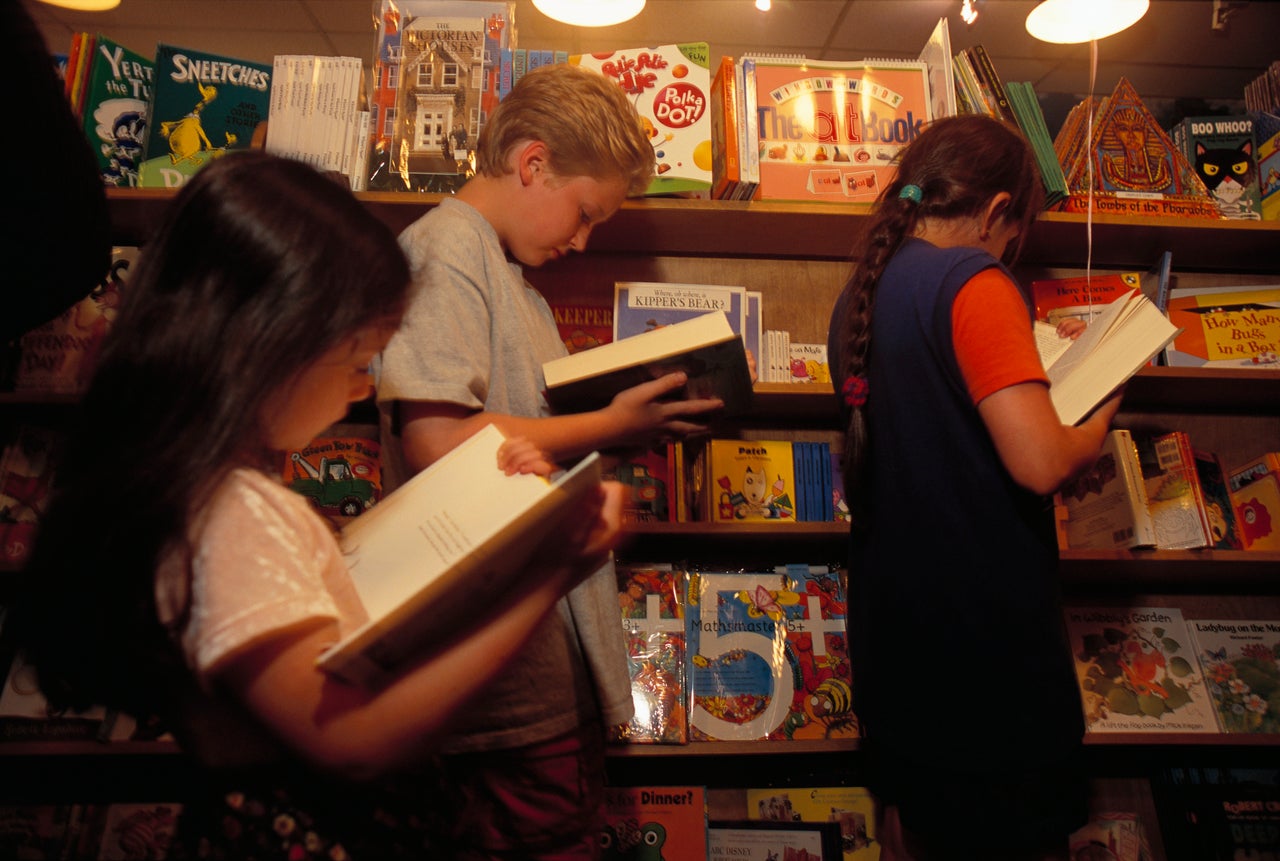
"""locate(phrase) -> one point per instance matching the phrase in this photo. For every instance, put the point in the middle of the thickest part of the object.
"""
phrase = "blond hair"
(586, 121)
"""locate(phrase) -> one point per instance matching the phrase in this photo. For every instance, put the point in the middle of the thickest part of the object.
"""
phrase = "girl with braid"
(963, 679)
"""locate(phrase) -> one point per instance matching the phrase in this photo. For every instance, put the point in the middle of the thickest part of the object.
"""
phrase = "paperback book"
(651, 598)
(706, 348)
(1224, 526)
(1138, 671)
(1174, 496)
(1107, 506)
(1255, 493)
(642, 306)
(1240, 659)
(1080, 297)
(583, 326)
(768, 655)
(454, 537)
(747, 481)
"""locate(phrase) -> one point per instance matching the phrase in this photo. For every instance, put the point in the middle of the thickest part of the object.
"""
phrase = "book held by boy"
(453, 538)
(704, 347)
(1126, 336)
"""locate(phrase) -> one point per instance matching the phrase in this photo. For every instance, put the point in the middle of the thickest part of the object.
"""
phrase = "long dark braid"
(955, 167)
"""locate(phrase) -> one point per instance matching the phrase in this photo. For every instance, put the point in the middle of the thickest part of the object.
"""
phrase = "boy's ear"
(531, 160)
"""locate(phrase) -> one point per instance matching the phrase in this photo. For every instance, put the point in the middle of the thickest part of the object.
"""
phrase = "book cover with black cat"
(1224, 155)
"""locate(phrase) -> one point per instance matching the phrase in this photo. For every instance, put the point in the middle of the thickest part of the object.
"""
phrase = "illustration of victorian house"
(438, 103)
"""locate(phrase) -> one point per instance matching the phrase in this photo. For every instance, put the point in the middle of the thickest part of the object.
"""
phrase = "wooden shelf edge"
(762, 747)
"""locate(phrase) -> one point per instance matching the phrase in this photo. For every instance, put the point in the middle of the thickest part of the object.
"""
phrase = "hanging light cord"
(1091, 152)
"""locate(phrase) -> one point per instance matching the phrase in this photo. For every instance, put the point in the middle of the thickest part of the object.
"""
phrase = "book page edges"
(640, 349)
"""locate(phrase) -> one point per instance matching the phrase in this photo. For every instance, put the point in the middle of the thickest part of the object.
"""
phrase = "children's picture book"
(768, 655)
(1174, 496)
(314, 112)
(59, 357)
(832, 131)
(705, 347)
(1223, 152)
(809, 363)
(26, 715)
(650, 478)
(1224, 527)
(454, 537)
(114, 110)
(1082, 297)
(28, 461)
(1130, 165)
(1138, 671)
(662, 823)
(670, 86)
(1240, 659)
(1225, 327)
(852, 807)
(725, 116)
(338, 472)
(203, 105)
(937, 57)
(127, 830)
(748, 480)
(1255, 493)
(642, 306)
(1113, 835)
(651, 598)
(583, 326)
(1119, 342)
(1231, 814)
(1107, 506)
(760, 840)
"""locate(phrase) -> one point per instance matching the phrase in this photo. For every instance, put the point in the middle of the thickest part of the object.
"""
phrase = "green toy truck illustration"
(334, 486)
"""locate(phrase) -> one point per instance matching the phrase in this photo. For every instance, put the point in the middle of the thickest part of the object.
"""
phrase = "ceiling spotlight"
(969, 11)
(764, 5)
(1067, 22)
(590, 13)
(85, 5)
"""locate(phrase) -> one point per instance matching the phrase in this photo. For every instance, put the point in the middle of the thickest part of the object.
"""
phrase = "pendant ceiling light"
(1067, 22)
(590, 13)
(85, 5)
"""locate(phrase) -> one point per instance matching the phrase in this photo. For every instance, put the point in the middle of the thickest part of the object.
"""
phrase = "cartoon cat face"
(1226, 171)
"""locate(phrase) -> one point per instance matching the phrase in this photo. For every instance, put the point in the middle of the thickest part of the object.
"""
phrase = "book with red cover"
(655, 822)
(1083, 297)
(832, 130)
(582, 325)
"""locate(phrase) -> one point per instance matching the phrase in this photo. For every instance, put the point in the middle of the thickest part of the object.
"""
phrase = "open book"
(705, 347)
(1128, 334)
(444, 548)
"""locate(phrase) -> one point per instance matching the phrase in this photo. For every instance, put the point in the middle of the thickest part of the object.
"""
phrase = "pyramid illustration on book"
(1134, 167)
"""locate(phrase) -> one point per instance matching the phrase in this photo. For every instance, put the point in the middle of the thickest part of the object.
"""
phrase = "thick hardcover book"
(832, 131)
(453, 538)
(1124, 338)
(1224, 154)
(748, 480)
(203, 105)
(991, 83)
(651, 597)
(704, 347)
(1107, 506)
(660, 823)
(59, 357)
(1226, 327)
(670, 86)
(1240, 659)
(852, 807)
(1083, 297)
(115, 105)
(1137, 670)
(1174, 496)
(641, 306)
(768, 655)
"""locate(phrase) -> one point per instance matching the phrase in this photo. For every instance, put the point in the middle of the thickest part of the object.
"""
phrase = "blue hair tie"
(911, 193)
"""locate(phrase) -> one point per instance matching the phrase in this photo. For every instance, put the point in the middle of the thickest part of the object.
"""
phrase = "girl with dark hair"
(175, 575)
(963, 680)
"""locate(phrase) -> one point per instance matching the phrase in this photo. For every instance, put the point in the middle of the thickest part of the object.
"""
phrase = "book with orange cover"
(726, 157)
(1083, 297)
(832, 131)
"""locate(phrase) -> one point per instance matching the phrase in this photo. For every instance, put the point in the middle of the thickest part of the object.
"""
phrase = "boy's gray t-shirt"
(476, 334)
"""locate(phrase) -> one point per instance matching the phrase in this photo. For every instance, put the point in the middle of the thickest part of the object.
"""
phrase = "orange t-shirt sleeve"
(992, 335)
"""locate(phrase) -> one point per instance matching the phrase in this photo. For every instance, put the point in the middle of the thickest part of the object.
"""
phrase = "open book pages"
(1127, 335)
(447, 545)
